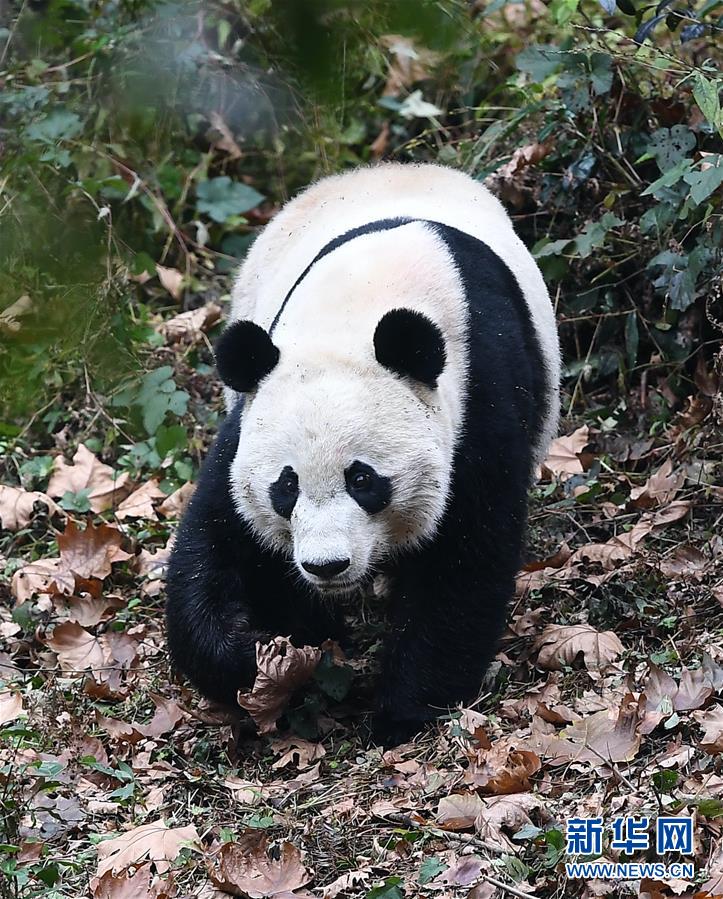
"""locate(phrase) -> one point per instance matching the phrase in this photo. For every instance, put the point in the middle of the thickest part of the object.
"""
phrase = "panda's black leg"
(449, 605)
(224, 592)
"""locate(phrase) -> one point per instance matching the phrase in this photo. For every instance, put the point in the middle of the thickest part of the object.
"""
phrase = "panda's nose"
(328, 569)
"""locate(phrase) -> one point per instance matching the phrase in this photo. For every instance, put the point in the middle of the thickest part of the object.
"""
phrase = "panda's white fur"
(328, 401)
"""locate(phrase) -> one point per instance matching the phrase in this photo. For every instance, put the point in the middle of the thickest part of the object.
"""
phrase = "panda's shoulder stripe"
(493, 294)
(369, 228)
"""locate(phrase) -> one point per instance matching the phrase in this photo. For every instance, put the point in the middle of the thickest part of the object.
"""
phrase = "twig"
(506, 888)
(465, 838)
(613, 767)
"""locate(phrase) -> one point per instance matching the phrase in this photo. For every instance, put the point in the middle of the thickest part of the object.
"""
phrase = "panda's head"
(340, 462)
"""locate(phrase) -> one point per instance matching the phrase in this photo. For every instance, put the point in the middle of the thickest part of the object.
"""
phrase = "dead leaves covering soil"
(581, 724)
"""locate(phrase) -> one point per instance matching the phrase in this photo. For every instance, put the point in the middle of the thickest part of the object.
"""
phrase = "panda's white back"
(331, 311)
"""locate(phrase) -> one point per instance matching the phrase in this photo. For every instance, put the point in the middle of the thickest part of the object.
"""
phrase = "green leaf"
(550, 248)
(665, 781)
(169, 439)
(76, 502)
(669, 178)
(563, 10)
(710, 808)
(221, 198)
(595, 233)
(707, 95)
(389, 890)
(58, 125)
(430, 868)
(704, 182)
(671, 145)
(333, 679)
(539, 61)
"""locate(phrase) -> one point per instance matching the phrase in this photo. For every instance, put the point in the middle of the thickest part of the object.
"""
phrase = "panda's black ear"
(410, 344)
(245, 354)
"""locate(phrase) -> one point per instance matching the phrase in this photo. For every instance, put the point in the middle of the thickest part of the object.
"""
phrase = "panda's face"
(340, 470)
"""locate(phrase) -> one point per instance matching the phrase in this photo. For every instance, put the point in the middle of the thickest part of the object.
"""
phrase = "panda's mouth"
(337, 588)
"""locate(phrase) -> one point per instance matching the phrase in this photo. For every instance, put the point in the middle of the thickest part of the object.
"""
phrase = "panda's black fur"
(448, 597)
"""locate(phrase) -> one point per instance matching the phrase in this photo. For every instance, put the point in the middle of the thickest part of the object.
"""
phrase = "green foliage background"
(135, 133)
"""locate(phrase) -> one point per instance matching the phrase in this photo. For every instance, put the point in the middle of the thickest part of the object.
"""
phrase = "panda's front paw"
(388, 731)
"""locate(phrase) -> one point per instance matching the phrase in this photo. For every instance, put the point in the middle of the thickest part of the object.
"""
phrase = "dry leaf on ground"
(503, 815)
(79, 650)
(712, 723)
(11, 706)
(167, 715)
(607, 736)
(502, 768)
(44, 576)
(297, 752)
(563, 455)
(142, 885)
(17, 506)
(660, 488)
(684, 563)
(174, 506)
(140, 503)
(171, 279)
(155, 841)
(225, 140)
(247, 868)
(90, 553)
(189, 327)
(458, 811)
(88, 473)
(560, 645)
(282, 669)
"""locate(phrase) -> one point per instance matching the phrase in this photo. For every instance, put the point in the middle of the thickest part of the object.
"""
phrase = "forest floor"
(117, 781)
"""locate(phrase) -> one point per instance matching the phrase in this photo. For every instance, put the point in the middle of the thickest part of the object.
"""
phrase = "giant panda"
(391, 368)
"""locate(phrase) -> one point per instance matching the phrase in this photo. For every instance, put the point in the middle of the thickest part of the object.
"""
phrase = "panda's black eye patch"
(372, 491)
(284, 492)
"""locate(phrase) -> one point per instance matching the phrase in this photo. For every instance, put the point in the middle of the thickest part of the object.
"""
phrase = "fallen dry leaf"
(44, 576)
(88, 473)
(661, 696)
(142, 885)
(248, 868)
(220, 136)
(607, 736)
(505, 813)
(502, 768)
(171, 279)
(560, 645)
(174, 506)
(167, 715)
(140, 503)
(660, 488)
(87, 610)
(17, 507)
(297, 752)
(90, 553)
(409, 63)
(458, 811)
(282, 669)
(563, 457)
(712, 723)
(78, 650)
(156, 842)
(188, 327)
(685, 562)
(10, 318)
(462, 872)
(11, 706)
